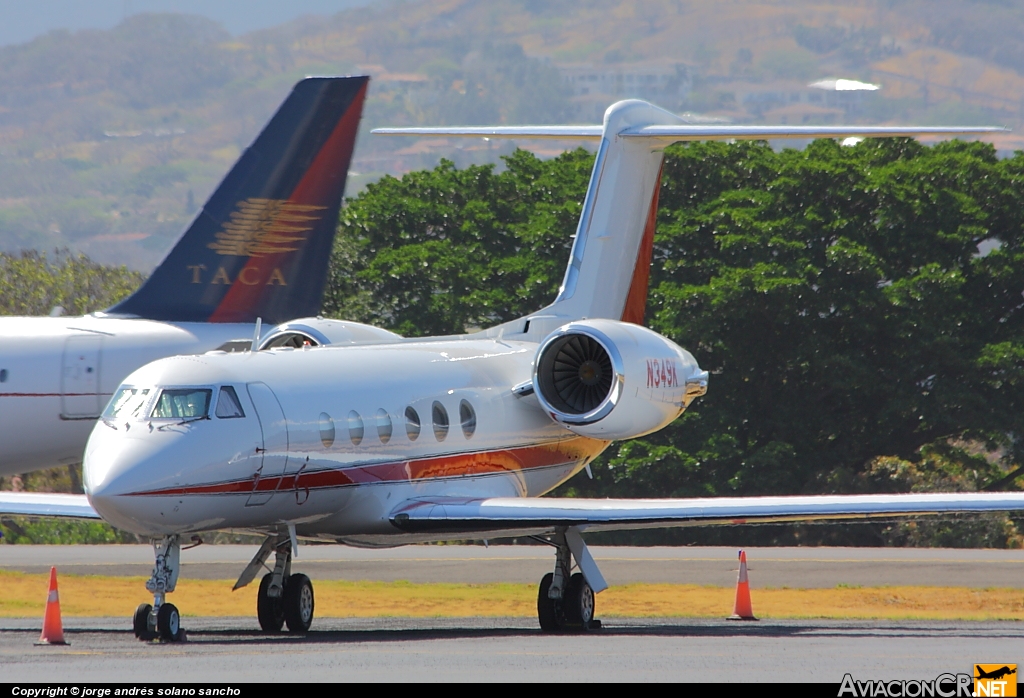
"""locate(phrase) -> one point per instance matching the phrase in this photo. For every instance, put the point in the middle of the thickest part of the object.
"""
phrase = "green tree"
(837, 295)
(33, 284)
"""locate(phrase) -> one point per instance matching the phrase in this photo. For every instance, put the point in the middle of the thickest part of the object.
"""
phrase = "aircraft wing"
(72, 506)
(524, 516)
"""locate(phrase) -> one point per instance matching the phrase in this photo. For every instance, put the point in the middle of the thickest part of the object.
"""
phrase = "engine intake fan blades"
(575, 374)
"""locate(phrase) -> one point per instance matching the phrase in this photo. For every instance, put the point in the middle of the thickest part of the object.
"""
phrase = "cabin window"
(355, 428)
(439, 417)
(228, 406)
(326, 430)
(467, 415)
(127, 402)
(182, 403)
(3, 375)
(383, 425)
(412, 424)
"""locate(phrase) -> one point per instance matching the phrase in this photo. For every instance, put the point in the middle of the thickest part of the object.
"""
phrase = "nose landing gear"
(161, 620)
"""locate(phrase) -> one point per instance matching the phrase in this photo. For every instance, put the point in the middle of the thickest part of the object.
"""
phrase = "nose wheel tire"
(549, 611)
(579, 603)
(269, 610)
(140, 622)
(298, 603)
(168, 622)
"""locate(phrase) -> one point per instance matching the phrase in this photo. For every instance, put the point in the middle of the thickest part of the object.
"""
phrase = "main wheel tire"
(298, 603)
(579, 603)
(140, 622)
(269, 611)
(549, 611)
(168, 622)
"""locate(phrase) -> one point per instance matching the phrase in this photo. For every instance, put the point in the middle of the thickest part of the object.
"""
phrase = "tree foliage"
(33, 284)
(444, 250)
(838, 295)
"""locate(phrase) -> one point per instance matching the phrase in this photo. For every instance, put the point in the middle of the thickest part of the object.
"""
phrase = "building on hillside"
(594, 86)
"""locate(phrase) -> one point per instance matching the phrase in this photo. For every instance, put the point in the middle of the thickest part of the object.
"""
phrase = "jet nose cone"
(113, 473)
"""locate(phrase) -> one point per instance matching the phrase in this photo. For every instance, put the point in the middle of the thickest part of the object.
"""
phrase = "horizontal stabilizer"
(72, 506)
(671, 134)
(520, 516)
(556, 132)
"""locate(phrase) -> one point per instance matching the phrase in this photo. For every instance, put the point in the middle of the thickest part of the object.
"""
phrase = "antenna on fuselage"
(256, 335)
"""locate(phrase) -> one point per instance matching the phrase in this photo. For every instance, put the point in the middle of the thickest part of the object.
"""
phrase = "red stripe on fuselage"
(455, 465)
(318, 187)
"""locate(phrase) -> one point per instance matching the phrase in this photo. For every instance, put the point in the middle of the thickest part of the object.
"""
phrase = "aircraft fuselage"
(331, 440)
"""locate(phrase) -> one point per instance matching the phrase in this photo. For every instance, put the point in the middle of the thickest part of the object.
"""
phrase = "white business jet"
(258, 249)
(441, 438)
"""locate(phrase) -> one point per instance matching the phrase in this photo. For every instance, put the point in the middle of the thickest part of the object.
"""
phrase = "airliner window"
(228, 406)
(467, 415)
(412, 424)
(355, 428)
(383, 425)
(440, 418)
(126, 403)
(183, 403)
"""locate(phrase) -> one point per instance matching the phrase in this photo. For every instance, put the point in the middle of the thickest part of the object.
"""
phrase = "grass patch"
(25, 596)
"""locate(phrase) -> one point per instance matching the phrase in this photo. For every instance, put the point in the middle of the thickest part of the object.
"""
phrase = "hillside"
(109, 140)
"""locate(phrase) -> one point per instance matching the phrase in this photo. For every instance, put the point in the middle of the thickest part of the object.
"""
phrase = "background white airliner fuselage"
(57, 374)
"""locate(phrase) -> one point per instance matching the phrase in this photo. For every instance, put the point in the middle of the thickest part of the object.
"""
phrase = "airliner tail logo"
(259, 227)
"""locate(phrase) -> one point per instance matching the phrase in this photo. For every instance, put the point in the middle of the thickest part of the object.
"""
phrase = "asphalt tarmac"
(510, 649)
(769, 567)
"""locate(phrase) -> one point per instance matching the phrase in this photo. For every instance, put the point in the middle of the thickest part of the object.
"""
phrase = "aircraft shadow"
(682, 630)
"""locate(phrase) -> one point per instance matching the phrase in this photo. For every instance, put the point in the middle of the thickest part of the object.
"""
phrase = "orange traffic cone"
(742, 610)
(53, 631)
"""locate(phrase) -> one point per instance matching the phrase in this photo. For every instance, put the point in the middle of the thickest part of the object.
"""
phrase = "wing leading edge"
(70, 506)
(531, 516)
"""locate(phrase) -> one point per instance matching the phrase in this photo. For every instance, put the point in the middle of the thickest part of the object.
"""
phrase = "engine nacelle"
(614, 380)
(318, 331)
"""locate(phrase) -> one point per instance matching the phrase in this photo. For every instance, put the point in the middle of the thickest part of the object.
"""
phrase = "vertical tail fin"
(261, 245)
(610, 262)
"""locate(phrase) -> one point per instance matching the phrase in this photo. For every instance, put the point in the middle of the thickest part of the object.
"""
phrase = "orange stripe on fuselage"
(636, 300)
(509, 460)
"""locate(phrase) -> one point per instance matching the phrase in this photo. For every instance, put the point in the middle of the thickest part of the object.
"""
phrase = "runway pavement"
(232, 650)
(769, 567)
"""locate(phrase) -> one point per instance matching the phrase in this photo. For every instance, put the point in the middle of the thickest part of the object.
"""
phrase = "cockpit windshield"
(182, 403)
(127, 403)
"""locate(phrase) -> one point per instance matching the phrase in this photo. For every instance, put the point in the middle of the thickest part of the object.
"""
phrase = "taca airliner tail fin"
(261, 245)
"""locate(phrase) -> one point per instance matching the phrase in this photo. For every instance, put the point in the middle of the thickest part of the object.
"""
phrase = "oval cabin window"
(412, 424)
(326, 430)
(467, 416)
(440, 419)
(383, 425)
(355, 428)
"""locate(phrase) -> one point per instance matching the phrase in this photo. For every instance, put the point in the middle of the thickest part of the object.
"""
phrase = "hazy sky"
(22, 21)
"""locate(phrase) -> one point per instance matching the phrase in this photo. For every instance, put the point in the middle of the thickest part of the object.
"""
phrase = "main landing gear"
(565, 601)
(283, 599)
(160, 620)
